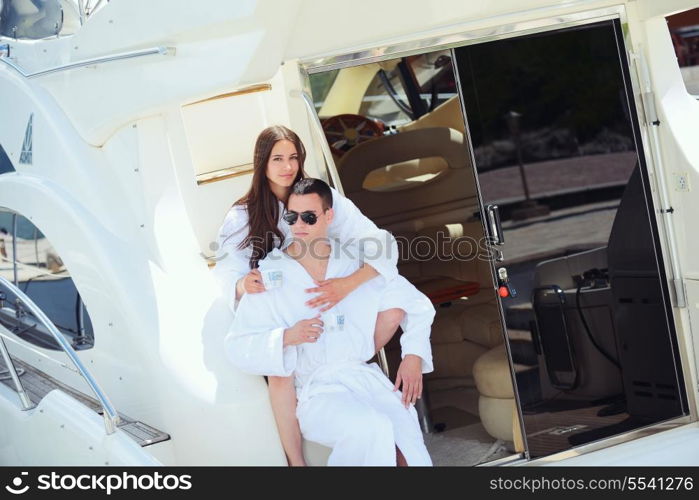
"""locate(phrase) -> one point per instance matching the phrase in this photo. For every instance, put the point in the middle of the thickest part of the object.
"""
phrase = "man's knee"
(371, 426)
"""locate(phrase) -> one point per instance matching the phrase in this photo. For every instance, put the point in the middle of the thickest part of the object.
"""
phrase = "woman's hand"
(306, 330)
(331, 292)
(410, 375)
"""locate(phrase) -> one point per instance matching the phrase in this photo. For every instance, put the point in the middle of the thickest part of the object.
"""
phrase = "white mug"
(272, 278)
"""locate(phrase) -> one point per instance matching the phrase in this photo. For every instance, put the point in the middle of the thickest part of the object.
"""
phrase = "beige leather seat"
(445, 197)
(496, 401)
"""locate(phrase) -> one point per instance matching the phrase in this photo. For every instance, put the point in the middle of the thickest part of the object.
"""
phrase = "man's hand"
(331, 292)
(306, 330)
(410, 375)
(250, 283)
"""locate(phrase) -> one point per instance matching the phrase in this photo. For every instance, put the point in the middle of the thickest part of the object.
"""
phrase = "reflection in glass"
(28, 260)
(30, 19)
(416, 181)
(684, 31)
(591, 345)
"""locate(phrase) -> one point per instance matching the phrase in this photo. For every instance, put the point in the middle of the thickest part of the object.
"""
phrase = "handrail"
(111, 417)
(329, 161)
(23, 396)
(86, 62)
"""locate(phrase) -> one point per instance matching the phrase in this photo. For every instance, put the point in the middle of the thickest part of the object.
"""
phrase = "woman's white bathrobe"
(357, 233)
(343, 402)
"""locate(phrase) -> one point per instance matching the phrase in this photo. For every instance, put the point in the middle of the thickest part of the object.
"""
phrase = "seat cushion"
(492, 374)
(481, 324)
(497, 416)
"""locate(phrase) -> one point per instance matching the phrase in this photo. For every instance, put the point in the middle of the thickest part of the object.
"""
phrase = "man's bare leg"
(387, 322)
(282, 394)
(400, 459)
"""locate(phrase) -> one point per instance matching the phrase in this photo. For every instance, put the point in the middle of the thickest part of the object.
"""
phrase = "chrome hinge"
(680, 294)
(649, 111)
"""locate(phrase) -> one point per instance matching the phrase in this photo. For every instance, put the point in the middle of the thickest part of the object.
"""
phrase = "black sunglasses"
(290, 217)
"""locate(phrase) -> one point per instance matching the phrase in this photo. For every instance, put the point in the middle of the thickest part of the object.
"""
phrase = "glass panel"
(586, 311)
(684, 30)
(416, 181)
(5, 163)
(321, 85)
(30, 19)
(29, 260)
(386, 97)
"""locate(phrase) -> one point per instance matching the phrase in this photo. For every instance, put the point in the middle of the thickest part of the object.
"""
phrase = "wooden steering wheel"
(343, 132)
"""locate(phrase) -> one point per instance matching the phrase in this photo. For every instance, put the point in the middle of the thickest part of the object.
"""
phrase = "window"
(684, 31)
(31, 20)
(432, 83)
(28, 260)
(5, 163)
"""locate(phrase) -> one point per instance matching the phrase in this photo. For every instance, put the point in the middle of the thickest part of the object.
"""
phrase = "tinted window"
(31, 20)
(684, 31)
(29, 260)
(5, 163)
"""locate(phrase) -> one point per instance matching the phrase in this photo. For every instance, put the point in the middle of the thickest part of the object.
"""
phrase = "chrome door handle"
(494, 227)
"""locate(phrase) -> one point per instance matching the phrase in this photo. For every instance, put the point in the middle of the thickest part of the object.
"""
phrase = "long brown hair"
(261, 203)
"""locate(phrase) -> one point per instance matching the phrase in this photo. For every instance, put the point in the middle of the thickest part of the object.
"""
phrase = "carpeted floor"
(449, 417)
(464, 446)
(464, 441)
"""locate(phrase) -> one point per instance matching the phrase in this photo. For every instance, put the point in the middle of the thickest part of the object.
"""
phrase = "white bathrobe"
(349, 225)
(343, 402)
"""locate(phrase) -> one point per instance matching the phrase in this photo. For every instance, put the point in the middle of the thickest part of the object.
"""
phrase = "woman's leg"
(282, 394)
(387, 323)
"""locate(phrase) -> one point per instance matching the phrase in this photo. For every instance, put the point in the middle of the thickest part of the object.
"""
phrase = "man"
(343, 402)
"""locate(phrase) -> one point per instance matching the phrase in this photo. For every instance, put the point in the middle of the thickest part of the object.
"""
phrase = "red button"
(503, 291)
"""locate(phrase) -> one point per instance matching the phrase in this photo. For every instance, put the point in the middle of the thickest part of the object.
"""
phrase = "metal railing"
(318, 129)
(5, 57)
(111, 417)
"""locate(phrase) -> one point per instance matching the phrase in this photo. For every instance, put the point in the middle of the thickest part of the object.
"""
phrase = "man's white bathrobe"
(343, 402)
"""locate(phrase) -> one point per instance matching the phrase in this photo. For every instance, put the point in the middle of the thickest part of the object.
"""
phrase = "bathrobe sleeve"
(255, 341)
(358, 234)
(232, 263)
(417, 322)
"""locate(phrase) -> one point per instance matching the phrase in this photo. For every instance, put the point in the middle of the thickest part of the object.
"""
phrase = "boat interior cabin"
(509, 174)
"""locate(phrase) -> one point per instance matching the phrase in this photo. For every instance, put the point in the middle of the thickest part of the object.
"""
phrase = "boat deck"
(38, 384)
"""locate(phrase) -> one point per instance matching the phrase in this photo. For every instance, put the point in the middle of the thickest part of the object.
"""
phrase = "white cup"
(272, 278)
(334, 322)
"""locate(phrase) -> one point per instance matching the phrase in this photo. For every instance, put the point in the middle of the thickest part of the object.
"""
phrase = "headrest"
(443, 142)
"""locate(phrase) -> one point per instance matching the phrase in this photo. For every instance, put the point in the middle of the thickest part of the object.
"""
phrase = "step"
(38, 384)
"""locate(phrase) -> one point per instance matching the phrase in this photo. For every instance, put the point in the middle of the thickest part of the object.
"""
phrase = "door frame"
(464, 34)
(641, 142)
(503, 27)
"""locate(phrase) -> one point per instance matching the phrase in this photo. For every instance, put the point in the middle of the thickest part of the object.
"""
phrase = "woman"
(253, 228)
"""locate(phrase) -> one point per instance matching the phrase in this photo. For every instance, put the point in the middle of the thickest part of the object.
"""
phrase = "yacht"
(535, 161)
